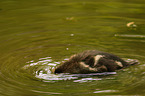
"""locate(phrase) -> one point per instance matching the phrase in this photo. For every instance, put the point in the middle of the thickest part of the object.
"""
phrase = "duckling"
(93, 61)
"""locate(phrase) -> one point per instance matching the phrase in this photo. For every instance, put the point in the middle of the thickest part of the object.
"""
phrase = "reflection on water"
(126, 35)
(87, 80)
(49, 93)
(105, 91)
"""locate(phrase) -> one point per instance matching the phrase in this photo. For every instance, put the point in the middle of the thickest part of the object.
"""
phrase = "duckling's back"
(93, 61)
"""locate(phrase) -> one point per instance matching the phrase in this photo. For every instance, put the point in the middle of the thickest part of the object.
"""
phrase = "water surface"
(36, 36)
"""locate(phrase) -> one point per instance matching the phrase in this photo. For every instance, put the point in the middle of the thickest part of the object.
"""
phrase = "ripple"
(42, 61)
(105, 91)
(45, 92)
(43, 69)
(87, 80)
(126, 35)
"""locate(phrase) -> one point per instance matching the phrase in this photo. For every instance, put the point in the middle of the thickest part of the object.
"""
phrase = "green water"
(36, 35)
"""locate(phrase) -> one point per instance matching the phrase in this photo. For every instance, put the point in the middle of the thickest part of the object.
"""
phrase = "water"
(36, 36)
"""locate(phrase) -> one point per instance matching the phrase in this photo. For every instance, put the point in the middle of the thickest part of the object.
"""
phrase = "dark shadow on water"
(91, 74)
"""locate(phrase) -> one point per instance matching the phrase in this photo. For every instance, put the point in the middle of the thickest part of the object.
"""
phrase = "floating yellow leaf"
(131, 24)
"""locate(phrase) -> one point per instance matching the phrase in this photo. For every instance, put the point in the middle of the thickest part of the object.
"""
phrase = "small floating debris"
(69, 18)
(67, 48)
(131, 24)
(71, 34)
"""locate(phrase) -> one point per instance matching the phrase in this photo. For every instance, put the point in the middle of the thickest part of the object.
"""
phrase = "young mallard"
(93, 61)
